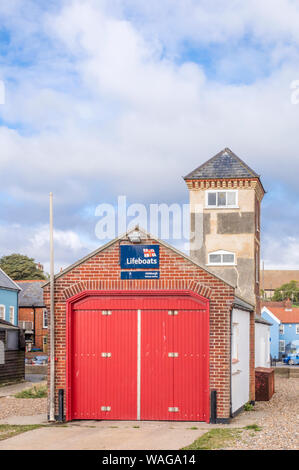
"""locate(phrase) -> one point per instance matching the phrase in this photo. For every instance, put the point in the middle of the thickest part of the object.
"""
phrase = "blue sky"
(122, 97)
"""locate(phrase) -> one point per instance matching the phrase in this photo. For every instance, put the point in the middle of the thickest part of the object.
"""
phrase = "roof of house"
(272, 278)
(240, 303)
(259, 319)
(31, 294)
(6, 282)
(5, 325)
(226, 164)
(285, 315)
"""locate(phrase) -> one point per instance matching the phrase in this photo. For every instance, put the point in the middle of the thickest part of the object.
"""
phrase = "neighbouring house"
(12, 353)
(273, 279)
(9, 292)
(33, 317)
(284, 328)
(143, 332)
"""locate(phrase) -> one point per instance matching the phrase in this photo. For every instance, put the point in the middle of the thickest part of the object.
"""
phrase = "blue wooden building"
(9, 291)
(284, 328)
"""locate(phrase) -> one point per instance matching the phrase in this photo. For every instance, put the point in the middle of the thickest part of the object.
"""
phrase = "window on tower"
(219, 198)
(223, 258)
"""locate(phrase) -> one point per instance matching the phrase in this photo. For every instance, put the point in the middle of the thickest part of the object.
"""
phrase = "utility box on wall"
(264, 383)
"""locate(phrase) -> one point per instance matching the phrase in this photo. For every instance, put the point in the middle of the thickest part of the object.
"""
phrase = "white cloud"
(282, 253)
(34, 242)
(115, 108)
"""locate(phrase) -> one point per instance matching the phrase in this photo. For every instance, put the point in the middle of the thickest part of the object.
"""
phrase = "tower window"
(221, 257)
(219, 198)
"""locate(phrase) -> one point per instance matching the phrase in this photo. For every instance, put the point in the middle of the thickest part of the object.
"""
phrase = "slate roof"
(31, 294)
(226, 164)
(6, 282)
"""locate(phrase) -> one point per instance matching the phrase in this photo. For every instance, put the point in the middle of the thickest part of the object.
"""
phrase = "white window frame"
(11, 314)
(282, 345)
(221, 253)
(45, 314)
(281, 329)
(235, 206)
(3, 310)
(297, 329)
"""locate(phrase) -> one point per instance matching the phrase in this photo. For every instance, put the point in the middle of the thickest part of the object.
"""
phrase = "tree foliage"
(20, 267)
(287, 291)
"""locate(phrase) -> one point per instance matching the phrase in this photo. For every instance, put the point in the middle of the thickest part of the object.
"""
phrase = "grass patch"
(215, 439)
(10, 430)
(136, 427)
(193, 428)
(248, 407)
(34, 392)
(253, 427)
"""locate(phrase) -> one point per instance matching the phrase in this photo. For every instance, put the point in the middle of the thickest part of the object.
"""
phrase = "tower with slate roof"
(225, 200)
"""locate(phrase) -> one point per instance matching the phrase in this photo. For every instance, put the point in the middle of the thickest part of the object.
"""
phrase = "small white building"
(240, 355)
(262, 342)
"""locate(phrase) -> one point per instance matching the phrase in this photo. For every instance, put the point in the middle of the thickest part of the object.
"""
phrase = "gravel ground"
(10, 406)
(278, 418)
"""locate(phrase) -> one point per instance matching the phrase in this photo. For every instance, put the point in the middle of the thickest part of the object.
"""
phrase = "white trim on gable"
(266, 310)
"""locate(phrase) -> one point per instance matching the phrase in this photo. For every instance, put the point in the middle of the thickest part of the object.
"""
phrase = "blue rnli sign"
(140, 275)
(139, 256)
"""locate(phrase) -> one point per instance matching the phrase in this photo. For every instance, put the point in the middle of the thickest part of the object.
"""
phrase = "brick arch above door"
(142, 285)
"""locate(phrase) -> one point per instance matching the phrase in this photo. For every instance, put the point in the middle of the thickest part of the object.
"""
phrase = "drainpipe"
(34, 330)
(230, 365)
(52, 342)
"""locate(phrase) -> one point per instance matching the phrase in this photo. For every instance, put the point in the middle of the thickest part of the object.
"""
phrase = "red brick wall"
(102, 271)
(27, 314)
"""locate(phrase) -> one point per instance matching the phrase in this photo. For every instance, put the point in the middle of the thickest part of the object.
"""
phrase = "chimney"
(288, 305)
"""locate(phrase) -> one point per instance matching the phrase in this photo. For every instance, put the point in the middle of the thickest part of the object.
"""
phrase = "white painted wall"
(262, 345)
(241, 348)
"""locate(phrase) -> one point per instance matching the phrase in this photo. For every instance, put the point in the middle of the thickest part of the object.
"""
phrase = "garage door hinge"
(105, 408)
(106, 312)
(173, 409)
(173, 354)
(105, 354)
(173, 312)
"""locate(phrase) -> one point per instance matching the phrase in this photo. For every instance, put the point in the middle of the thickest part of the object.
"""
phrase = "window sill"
(221, 264)
(222, 207)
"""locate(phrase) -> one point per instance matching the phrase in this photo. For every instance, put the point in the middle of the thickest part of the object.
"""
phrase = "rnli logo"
(149, 253)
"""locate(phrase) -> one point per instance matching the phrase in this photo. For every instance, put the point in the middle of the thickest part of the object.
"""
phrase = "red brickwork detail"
(102, 272)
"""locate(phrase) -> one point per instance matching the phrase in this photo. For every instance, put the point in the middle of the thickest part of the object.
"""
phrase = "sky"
(105, 98)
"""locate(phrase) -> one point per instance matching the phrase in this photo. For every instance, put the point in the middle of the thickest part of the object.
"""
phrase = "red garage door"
(139, 357)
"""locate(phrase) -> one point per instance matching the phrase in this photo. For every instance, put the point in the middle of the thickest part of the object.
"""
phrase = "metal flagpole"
(52, 342)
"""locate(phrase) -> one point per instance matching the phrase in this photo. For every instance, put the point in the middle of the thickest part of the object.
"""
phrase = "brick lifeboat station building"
(144, 332)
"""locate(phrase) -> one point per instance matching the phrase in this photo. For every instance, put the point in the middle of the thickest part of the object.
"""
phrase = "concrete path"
(34, 419)
(112, 435)
(10, 390)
